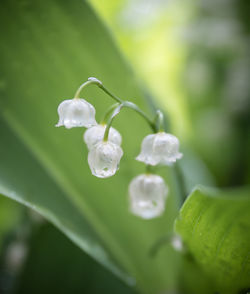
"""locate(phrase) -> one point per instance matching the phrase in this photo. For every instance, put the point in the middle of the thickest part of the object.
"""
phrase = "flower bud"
(76, 113)
(147, 194)
(104, 159)
(95, 134)
(177, 243)
(160, 148)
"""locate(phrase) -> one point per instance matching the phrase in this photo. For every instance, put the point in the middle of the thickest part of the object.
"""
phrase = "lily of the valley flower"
(160, 148)
(104, 159)
(76, 112)
(147, 194)
(95, 134)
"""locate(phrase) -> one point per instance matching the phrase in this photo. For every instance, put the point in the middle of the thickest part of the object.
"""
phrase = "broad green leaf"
(81, 275)
(215, 226)
(9, 216)
(48, 48)
(24, 180)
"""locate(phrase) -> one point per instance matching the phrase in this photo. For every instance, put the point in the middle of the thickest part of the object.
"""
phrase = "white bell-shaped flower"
(104, 159)
(160, 148)
(76, 113)
(95, 134)
(147, 194)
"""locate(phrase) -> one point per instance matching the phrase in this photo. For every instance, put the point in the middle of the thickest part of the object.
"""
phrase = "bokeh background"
(190, 58)
(194, 57)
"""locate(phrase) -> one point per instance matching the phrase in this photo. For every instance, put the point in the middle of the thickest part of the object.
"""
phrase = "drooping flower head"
(95, 134)
(76, 113)
(104, 159)
(160, 148)
(147, 194)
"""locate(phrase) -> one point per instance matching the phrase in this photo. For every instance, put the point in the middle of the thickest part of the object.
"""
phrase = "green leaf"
(24, 180)
(9, 216)
(215, 226)
(79, 276)
(48, 48)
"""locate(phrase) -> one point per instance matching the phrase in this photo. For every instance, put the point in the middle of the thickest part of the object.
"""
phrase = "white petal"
(160, 148)
(62, 109)
(104, 159)
(146, 150)
(165, 145)
(147, 196)
(76, 113)
(95, 134)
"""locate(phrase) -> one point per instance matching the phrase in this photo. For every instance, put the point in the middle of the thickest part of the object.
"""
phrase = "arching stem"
(95, 81)
(132, 106)
(109, 123)
(108, 113)
(84, 85)
(117, 99)
(127, 104)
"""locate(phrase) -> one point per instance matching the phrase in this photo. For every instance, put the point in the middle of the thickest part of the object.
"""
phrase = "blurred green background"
(191, 59)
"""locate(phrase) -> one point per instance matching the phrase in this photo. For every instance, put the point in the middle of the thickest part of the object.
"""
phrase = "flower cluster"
(147, 192)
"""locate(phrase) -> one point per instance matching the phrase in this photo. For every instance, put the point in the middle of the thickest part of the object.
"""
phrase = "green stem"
(111, 118)
(159, 121)
(148, 169)
(95, 81)
(108, 112)
(182, 193)
(142, 114)
(89, 82)
(117, 99)
(117, 111)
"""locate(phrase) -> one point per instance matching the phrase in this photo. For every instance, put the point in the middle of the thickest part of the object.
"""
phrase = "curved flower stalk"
(76, 112)
(95, 134)
(160, 148)
(104, 159)
(147, 194)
